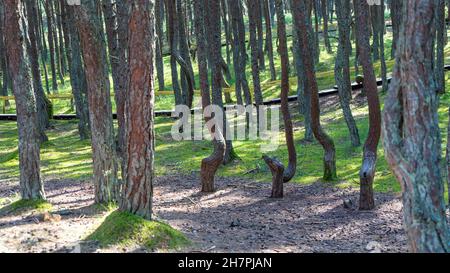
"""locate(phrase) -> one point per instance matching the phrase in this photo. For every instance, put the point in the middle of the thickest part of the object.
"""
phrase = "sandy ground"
(239, 217)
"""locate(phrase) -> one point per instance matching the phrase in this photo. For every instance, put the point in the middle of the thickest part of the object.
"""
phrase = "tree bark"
(240, 54)
(159, 17)
(31, 186)
(211, 164)
(301, 20)
(269, 38)
(367, 172)
(275, 166)
(78, 77)
(253, 18)
(396, 19)
(41, 99)
(324, 8)
(97, 78)
(411, 132)
(342, 68)
(51, 44)
(441, 28)
(140, 103)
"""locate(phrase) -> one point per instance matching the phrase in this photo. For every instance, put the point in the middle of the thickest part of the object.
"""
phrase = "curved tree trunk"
(210, 164)
(367, 172)
(281, 175)
(301, 20)
(411, 132)
(31, 186)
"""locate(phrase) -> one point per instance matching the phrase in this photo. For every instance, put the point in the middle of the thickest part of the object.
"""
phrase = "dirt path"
(237, 218)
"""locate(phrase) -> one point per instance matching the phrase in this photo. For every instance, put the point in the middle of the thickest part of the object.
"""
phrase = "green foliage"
(125, 229)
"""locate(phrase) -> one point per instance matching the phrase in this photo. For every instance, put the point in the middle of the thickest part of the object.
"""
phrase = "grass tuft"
(125, 229)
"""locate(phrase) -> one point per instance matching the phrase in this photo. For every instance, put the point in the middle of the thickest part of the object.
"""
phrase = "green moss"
(125, 229)
(21, 206)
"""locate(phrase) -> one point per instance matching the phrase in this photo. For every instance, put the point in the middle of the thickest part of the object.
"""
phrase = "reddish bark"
(368, 168)
(139, 109)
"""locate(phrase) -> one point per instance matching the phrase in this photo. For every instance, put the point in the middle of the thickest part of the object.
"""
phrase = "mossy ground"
(125, 229)
(22, 206)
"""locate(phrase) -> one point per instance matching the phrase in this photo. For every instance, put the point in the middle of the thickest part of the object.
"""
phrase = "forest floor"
(239, 217)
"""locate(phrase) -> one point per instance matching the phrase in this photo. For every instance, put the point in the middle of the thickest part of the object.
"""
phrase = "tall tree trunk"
(382, 24)
(269, 42)
(396, 19)
(111, 23)
(184, 58)
(374, 15)
(303, 93)
(253, 18)
(78, 77)
(173, 33)
(51, 44)
(301, 20)
(275, 166)
(3, 59)
(60, 32)
(259, 28)
(123, 16)
(140, 143)
(367, 172)
(58, 59)
(31, 186)
(342, 68)
(43, 49)
(97, 77)
(411, 132)
(159, 17)
(216, 65)
(226, 27)
(441, 28)
(241, 57)
(211, 164)
(41, 99)
(324, 8)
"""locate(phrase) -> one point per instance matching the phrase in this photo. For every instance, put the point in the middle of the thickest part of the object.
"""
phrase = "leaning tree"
(211, 164)
(302, 21)
(411, 131)
(280, 174)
